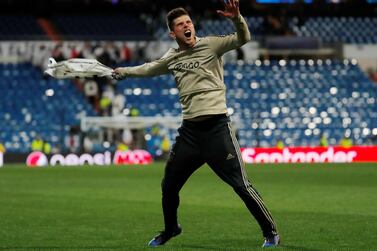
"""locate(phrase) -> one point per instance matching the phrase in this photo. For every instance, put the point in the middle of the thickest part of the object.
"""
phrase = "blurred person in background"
(346, 142)
(154, 143)
(75, 51)
(87, 50)
(323, 140)
(40, 56)
(118, 104)
(2, 148)
(105, 104)
(46, 147)
(372, 74)
(126, 53)
(127, 137)
(137, 133)
(206, 134)
(280, 144)
(2, 151)
(88, 142)
(165, 147)
(37, 144)
(113, 52)
(57, 53)
(91, 92)
(72, 140)
(121, 146)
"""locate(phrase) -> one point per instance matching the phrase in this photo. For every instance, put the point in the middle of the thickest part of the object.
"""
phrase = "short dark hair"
(173, 14)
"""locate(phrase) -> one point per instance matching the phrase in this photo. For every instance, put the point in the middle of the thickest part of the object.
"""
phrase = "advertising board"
(310, 154)
(38, 159)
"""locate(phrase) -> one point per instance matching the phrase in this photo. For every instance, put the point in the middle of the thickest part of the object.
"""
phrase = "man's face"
(183, 31)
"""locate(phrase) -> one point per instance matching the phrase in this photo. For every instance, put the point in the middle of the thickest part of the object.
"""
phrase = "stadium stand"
(214, 27)
(207, 27)
(20, 27)
(34, 107)
(293, 100)
(100, 27)
(352, 30)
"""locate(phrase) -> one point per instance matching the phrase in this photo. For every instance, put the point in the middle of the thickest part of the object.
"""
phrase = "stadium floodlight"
(77, 68)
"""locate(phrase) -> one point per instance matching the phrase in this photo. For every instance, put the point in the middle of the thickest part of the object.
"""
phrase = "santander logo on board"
(255, 155)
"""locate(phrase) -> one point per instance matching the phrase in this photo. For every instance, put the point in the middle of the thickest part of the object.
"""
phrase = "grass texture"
(316, 207)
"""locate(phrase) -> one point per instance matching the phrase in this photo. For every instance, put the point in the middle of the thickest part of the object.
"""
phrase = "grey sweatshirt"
(198, 71)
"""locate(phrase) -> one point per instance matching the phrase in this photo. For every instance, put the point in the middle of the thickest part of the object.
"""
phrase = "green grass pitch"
(316, 207)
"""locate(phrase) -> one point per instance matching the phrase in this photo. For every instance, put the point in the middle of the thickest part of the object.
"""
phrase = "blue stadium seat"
(350, 30)
(101, 27)
(20, 27)
(296, 102)
(26, 111)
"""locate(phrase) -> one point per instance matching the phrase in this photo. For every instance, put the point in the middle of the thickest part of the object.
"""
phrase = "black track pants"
(211, 141)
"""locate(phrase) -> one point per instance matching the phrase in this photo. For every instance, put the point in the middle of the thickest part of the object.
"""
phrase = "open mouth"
(187, 33)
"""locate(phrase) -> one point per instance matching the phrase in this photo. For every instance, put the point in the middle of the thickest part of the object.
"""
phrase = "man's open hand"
(232, 9)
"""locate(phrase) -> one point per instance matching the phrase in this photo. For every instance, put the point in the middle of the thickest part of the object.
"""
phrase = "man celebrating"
(205, 135)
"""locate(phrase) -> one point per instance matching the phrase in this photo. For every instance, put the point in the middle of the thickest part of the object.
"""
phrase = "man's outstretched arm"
(232, 11)
(154, 68)
(242, 30)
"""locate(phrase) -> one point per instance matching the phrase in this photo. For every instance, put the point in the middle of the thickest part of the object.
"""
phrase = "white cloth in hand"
(77, 68)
